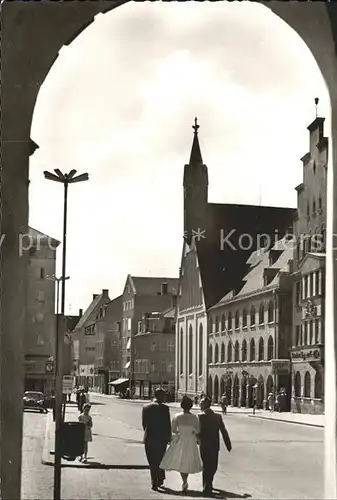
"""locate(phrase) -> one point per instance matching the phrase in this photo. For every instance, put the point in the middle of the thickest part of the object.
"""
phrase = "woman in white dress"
(183, 453)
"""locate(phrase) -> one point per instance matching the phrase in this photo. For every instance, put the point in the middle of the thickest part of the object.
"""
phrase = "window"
(237, 320)
(216, 323)
(40, 296)
(163, 367)
(314, 167)
(170, 346)
(314, 207)
(318, 385)
(128, 289)
(297, 335)
(320, 203)
(223, 323)
(261, 315)
(210, 353)
(297, 385)
(307, 385)
(270, 312)
(244, 318)
(139, 329)
(252, 316)
(244, 350)
(201, 348)
(190, 350)
(41, 273)
(164, 288)
(252, 350)
(230, 325)
(323, 238)
(170, 367)
(270, 348)
(237, 351)
(317, 331)
(153, 366)
(261, 349)
(222, 356)
(129, 324)
(216, 354)
(153, 346)
(229, 352)
(308, 210)
(298, 293)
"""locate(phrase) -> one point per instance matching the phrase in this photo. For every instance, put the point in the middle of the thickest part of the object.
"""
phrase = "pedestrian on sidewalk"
(224, 404)
(271, 402)
(183, 454)
(81, 401)
(157, 434)
(211, 425)
(86, 419)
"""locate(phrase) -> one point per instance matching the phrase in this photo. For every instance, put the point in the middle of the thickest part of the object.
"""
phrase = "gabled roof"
(84, 318)
(224, 262)
(152, 286)
(43, 238)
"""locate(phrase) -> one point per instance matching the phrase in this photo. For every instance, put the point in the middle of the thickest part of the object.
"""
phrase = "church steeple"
(195, 189)
(195, 158)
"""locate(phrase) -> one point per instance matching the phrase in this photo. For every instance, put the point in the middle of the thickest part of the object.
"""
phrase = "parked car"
(34, 401)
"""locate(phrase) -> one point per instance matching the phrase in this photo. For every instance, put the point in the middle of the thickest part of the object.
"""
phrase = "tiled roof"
(84, 318)
(224, 263)
(37, 235)
(152, 286)
(254, 278)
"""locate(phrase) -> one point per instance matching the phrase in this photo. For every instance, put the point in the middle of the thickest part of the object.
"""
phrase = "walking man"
(211, 425)
(157, 434)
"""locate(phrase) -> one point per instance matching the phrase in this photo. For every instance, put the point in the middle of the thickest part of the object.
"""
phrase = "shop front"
(308, 380)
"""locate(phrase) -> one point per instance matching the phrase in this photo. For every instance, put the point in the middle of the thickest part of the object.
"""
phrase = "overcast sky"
(119, 103)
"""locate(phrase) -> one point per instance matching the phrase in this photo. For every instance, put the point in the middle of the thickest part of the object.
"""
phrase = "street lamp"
(64, 179)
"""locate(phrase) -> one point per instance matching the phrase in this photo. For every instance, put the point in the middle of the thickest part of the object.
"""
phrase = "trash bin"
(72, 440)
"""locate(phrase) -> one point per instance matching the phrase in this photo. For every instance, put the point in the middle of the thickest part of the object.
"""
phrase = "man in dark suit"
(157, 434)
(211, 425)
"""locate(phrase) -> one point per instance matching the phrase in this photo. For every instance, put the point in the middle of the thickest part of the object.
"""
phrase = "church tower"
(195, 190)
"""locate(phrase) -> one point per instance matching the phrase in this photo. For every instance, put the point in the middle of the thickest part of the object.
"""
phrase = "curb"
(288, 421)
(45, 459)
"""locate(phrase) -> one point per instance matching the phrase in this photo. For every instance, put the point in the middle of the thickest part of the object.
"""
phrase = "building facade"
(154, 354)
(41, 319)
(84, 340)
(141, 296)
(218, 240)
(250, 332)
(108, 353)
(309, 277)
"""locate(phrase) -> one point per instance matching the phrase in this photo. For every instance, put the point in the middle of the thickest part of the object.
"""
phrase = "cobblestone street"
(268, 460)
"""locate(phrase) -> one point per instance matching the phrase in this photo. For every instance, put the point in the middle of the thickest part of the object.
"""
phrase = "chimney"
(94, 296)
(105, 292)
(80, 313)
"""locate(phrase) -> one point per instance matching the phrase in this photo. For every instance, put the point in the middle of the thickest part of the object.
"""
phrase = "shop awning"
(119, 381)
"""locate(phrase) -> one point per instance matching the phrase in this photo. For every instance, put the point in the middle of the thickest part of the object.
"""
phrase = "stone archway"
(33, 35)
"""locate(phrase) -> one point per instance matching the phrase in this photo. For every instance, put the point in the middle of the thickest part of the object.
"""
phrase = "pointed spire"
(195, 158)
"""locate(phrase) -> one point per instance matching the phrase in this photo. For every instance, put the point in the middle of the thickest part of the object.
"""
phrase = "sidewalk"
(288, 417)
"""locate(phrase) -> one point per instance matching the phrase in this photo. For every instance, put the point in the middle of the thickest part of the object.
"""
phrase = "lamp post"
(64, 179)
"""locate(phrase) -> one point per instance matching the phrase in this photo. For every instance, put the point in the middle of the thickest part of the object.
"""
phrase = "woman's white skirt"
(182, 455)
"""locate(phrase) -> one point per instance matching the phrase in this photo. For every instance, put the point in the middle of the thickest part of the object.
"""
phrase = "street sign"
(280, 366)
(67, 384)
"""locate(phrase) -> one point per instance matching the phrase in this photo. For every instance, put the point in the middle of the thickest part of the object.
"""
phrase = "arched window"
(261, 315)
(229, 352)
(252, 316)
(320, 202)
(222, 359)
(210, 353)
(323, 238)
(237, 320)
(223, 323)
(318, 385)
(252, 350)
(307, 385)
(314, 206)
(244, 318)
(181, 350)
(244, 350)
(216, 323)
(230, 325)
(297, 385)
(216, 354)
(270, 311)
(261, 349)
(237, 351)
(201, 348)
(270, 348)
(190, 350)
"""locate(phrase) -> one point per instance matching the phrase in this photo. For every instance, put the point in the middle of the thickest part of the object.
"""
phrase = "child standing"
(86, 419)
